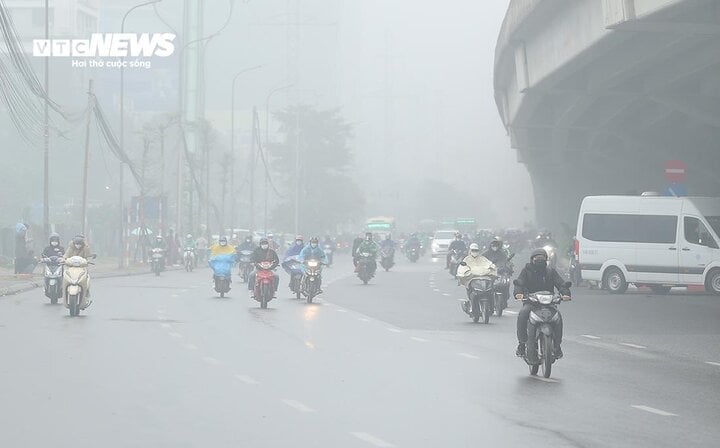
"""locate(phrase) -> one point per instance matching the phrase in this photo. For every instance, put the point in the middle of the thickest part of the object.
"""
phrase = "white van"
(649, 240)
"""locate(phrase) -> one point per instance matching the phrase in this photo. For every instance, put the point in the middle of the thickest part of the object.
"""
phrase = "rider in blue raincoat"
(291, 255)
(222, 258)
(313, 251)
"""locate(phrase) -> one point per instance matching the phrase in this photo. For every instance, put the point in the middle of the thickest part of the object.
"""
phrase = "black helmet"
(54, 237)
(79, 239)
(314, 240)
(537, 252)
(264, 241)
(497, 241)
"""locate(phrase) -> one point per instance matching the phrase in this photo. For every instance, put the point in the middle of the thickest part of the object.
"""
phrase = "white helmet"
(474, 250)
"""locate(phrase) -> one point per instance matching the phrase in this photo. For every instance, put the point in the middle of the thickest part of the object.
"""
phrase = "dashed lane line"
(166, 325)
(415, 338)
(341, 310)
(514, 313)
(711, 363)
(446, 294)
(191, 346)
(654, 410)
(247, 379)
(175, 296)
(363, 319)
(371, 439)
(468, 356)
(298, 406)
(174, 335)
(627, 344)
(394, 330)
(589, 336)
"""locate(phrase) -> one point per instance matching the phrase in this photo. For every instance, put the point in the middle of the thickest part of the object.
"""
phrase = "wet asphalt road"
(164, 362)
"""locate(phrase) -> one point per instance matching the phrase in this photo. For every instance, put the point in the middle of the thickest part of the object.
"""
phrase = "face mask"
(264, 246)
(78, 246)
(313, 245)
(54, 243)
(540, 264)
(223, 243)
(494, 248)
(474, 253)
(298, 243)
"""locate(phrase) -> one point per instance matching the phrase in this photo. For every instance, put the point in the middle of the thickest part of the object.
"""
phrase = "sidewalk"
(17, 283)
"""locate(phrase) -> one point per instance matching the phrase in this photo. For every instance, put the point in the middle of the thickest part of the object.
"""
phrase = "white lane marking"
(175, 295)
(415, 338)
(710, 363)
(297, 405)
(161, 311)
(462, 300)
(341, 311)
(626, 344)
(468, 355)
(247, 379)
(191, 346)
(211, 360)
(369, 438)
(654, 411)
(175, 335)
(394, 330)
(589, 336)
(446, 294)
(543, 379)
(510, 312)
(436, 290)
(183, 290)
(362, 319)
(166, 325)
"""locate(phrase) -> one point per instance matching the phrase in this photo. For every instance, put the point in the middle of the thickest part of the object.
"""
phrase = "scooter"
(296, 271)
(312, 279)
(541, 330)
(189, 259)
(413, 254)
(387, 258)
(456, 258)
(481, 298)
(221, 266)
(329, 249)
(53, 275)
(76, 282)
(157, 260)
(502, 285)
(366, 267)
(245, 266)
(264, 283)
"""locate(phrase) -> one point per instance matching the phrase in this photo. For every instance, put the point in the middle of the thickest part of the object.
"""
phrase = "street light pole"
(233, 198)
(46, 149)
(121, 259)
(267, 144)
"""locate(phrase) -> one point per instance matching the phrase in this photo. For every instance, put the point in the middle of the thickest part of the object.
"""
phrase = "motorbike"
(189, 258)
(552, 255)
(541, 334)
(264, 283)
(481, 298)
(76, 280)
(413, 254)
(329, 249)
(296, 271)
(456, 258)
(221, 266)
(157, 260)
(366, 267)
(53, 275)
(312, 279)
(574, 270)
(245, 266)
(502, 284)
(387, 258)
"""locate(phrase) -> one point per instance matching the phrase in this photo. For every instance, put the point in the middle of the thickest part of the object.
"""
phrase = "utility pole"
(253, 142)
(46, 149)
(91, 106)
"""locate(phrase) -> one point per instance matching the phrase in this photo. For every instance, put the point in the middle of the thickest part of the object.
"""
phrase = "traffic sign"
(677, 190)
(675, 171)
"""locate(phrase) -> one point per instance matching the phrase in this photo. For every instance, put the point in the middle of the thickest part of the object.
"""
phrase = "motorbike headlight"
(312, 264)
(544, 299)
(481, 284)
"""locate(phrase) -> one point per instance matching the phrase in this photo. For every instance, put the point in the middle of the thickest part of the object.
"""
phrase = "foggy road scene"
(360, 223)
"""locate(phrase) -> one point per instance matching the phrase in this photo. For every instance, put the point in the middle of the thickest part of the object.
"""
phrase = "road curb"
(29, 286)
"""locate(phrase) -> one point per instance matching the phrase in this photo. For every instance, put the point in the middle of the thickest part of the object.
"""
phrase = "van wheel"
(614, 281)
(712, 282)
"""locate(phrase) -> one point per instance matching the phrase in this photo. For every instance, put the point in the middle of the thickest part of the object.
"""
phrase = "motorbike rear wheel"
(546, 356)
(486, 312)
(534, 369)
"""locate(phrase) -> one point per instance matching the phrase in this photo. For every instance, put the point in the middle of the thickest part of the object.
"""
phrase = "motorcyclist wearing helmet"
(412, 242)
(264, 253)
(292, 254)
(387, 243)
(80, 248)
(221, 248)
(189, 242)
(313, 251)
(368, 246)
(473, 265)
(247, 244)
(54, 249)
(459, 245)
(159, 243)
(544, 238)
(496, 253)
(537, 276)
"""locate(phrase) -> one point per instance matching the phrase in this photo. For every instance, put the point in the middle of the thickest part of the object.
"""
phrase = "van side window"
(697, 233)
(656, 229)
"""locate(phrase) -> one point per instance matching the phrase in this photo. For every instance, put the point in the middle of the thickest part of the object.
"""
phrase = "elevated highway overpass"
(597, 94)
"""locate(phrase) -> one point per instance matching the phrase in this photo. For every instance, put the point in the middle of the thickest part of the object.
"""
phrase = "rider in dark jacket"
(496, 253)
(459, 245)
(264, 253)
(54, 249)
(537, 276)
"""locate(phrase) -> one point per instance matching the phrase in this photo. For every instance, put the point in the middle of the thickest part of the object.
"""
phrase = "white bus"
(652, 241)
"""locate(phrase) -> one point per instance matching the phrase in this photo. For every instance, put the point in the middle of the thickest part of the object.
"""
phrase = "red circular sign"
(675, 171)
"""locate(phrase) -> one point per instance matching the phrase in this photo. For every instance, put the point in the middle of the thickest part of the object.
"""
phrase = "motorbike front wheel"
(475, 311)
(74, 305)
(546, 355)
(263, 296)
(486, 311)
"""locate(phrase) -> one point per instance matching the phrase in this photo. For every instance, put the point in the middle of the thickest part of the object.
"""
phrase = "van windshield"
(714, 222)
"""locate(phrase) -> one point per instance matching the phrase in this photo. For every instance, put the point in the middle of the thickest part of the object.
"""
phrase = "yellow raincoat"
(476, 267)
(217, 249)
